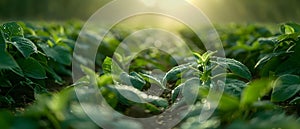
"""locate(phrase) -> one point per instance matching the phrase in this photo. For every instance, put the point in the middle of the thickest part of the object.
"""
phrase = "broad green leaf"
(18, 71)
(267, 57)
(289, 28)
(7, 61)
(107, 64)
(288, 37)
(133, 79)
(234, 66)
(129, 92)
(25, 46)
(137, 96)
(269, 40)
(188, 89)
(295, 26)
(56, 77)
(176, 92)
(32, 68)
(286, 29)
(268, 67)
(285, 87)
(57, 53)
(198, 57)
(254, 91)
(11, 29)
(59, 68)
(204, 57)
(173, 74)
(137, 80)
(291, 65)
(152, 79)
(234, 87)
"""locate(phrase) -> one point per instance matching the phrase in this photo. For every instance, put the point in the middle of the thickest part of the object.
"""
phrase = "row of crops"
(261, 89)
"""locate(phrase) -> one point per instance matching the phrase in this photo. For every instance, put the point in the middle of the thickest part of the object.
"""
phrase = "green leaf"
(254, 91)
(57, 53)
(286, 29)
(268, 67)
(290, 65)
(18, 71)
(189, 89)
(7, 61)
(198, 57)
(204, 57)
(172, 74)
(234, 66)
(176, 91)
(133, 79)
(268, 57)
(289, 28)
(152, 79)
(32, 68)
(25, 46)
(269, 40)
(234, 87)
(288, 37)
(106, 66)
(137, 80)
(55, 76)
(136, 96)
(285, 87)
(295, 26)
(11, 29)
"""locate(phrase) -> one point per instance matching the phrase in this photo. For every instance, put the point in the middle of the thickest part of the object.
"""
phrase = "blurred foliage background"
(270, 11)
(219, 11)
(48, 9)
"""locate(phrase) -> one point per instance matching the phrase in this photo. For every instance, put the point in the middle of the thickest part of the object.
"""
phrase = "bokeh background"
(219, 11)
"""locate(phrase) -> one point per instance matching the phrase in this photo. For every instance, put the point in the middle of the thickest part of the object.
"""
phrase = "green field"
(261, 90)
